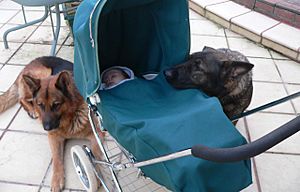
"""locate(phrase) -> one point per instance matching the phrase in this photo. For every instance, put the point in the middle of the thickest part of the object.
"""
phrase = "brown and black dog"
(54, 99)
(19, 91)
(222, 73)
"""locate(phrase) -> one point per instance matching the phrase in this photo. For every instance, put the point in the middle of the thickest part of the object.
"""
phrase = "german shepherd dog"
(46, 85)
(222, 73)
(19, 91)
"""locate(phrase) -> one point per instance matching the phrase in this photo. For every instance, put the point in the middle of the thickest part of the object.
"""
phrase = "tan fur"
(36, 84)
(19, 91)
(9, 98)
(72, 112)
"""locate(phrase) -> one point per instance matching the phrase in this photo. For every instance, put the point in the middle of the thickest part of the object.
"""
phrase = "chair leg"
(57, 29)
(23, 26)
(24, 15)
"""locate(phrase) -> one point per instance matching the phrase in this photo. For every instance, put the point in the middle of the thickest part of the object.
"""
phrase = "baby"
(116, 75)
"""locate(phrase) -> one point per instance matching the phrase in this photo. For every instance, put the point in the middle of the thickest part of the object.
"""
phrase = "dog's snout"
(170, 74)
(47, 126)
(50, 124)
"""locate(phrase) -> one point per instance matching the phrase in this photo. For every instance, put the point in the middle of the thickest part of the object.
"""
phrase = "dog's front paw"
(32, 114)
(58, 183)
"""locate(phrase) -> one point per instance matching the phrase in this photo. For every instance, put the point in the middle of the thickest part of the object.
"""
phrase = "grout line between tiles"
(65, 189)
(14, 116)
(2, 135)
(261, 34)
(206, 35)
(270, 58)
(283, 83)
(64, 41)
(230, 20)
(18, 183)
(282, 153)
(22, 43)
(272, 112)
(256, 175)
(27, 132)
(226, 38)
(253, 159)
(264, 81)
(212, 4)
(274, 82)
(12, 16)
(247, 129)
(45, 176)
(15, 64)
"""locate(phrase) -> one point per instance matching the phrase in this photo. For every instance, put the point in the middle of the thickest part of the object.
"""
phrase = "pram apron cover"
(150, 118)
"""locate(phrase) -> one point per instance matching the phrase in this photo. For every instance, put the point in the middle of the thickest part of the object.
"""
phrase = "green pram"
(154, 124)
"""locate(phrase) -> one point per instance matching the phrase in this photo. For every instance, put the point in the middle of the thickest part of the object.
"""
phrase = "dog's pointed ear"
(240, 68)
(33, 84)
(208, 49)
(63, 82)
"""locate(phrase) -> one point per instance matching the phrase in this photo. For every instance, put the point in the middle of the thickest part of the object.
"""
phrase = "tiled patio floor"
(25, 159)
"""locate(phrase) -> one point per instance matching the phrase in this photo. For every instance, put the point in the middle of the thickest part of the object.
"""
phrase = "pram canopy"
(149, 117)
(144, 35)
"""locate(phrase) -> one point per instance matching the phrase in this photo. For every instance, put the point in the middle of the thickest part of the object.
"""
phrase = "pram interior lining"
(150, 119)
(144, 47)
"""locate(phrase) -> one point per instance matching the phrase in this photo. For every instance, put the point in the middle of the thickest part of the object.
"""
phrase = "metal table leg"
(23, 26)
(57, 29)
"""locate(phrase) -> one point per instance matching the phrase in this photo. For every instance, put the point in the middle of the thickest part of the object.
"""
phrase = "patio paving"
(25, 159)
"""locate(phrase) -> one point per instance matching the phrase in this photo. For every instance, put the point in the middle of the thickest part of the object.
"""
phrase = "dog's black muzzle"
(178, 78)
(51, 124)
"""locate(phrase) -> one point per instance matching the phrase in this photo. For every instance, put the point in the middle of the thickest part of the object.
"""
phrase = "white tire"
(84, 168)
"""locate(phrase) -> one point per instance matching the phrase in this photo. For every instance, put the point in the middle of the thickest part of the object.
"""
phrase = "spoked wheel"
(84, 168)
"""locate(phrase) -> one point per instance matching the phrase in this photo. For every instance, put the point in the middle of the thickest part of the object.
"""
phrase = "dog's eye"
(30, 101)
(55, 105)
(41, 105)
(198, 61)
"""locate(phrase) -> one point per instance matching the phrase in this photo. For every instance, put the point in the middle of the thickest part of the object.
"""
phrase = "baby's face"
(113, 77)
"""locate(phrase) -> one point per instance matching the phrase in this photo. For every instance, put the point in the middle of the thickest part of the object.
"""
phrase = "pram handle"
(248, 150)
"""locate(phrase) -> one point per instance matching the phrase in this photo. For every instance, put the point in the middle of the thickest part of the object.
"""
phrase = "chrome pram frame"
(115, 167)
(218, 155)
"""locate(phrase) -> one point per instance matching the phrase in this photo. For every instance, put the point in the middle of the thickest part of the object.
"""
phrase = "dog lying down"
(222, 73)
(46, 90)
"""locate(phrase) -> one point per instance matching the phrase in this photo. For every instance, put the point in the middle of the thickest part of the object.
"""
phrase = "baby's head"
(113, 76)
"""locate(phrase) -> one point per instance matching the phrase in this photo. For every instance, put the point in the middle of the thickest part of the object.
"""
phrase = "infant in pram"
(117, 75)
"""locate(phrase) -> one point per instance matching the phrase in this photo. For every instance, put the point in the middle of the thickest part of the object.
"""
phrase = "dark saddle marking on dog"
(56, 64)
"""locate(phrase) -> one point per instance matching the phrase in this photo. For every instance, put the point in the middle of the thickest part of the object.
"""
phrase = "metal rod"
(92, 158)
(57, 29)
(24, 15)
(271, 104)
(102, 148)
(168, 157)
(51, 21)
(23, 26)
(103, 163)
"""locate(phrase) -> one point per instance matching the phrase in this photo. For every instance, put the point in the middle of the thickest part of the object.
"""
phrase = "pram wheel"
(84, 168)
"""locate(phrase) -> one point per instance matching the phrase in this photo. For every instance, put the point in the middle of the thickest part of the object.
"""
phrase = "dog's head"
(209, 70)
(52, 98)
